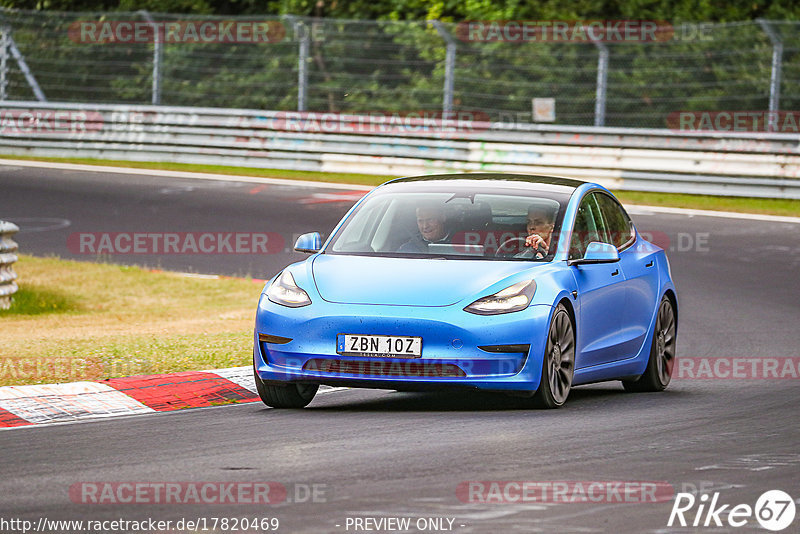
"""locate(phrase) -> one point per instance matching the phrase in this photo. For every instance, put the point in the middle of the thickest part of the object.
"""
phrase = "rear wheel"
(286, 395)
(558, 366)
(657, 375)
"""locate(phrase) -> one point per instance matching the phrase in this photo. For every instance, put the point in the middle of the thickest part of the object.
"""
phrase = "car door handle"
(649, 264)
(615, 273)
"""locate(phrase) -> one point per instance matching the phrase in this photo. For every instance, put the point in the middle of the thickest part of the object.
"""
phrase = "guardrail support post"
(449, 66)
(8, 257)
(602, 83)
(775, 76)
(157, 56)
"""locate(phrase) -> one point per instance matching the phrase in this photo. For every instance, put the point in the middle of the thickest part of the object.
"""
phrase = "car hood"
(406, 281)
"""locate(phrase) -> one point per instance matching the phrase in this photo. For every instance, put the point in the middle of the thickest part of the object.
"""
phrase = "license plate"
(379, 346)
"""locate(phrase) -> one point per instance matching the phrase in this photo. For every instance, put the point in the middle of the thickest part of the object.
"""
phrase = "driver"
(431, 225)
(540, 223)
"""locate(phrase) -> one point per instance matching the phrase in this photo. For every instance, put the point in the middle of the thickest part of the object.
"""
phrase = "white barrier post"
(8, 249)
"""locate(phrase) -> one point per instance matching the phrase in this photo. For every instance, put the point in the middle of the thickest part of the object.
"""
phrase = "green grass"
(28, 301)
(170, 352)
(75, 321)
(767, 206)
(678, 200)
(334, 177)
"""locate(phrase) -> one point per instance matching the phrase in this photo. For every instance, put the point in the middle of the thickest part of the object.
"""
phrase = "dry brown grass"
(111, 320)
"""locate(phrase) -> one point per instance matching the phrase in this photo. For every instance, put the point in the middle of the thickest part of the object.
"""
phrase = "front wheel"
(657, 375)
(286, 395)
(558, 366)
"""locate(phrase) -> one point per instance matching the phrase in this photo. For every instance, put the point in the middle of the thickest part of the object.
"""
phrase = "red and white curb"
(113, 397)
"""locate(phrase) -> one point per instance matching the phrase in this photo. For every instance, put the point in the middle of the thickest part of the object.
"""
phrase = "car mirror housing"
(308, 243)
(598, 252)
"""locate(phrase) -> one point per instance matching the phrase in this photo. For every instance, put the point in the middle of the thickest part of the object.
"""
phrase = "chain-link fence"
(332, 65)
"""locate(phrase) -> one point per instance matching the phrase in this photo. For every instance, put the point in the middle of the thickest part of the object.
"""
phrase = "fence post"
(157, 56)
(775, 75)
(11, 46)
(602, 83)
(302, 67)
(8, 248)
(303, 36)
(449, 66)
(3, 63)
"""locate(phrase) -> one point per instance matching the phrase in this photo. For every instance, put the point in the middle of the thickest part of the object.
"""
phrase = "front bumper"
(451, 338)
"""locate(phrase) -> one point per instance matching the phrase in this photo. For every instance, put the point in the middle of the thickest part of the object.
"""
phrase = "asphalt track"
(386, 454)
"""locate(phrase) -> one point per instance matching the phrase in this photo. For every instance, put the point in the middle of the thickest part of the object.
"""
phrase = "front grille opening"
(403, 368)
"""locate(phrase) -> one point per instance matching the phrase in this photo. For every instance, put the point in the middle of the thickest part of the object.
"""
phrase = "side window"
(619, 226)
(359, 230)
(588, 227)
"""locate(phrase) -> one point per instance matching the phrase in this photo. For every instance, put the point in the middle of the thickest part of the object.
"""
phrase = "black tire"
(658, 373)
(285, 396)
(558, 365)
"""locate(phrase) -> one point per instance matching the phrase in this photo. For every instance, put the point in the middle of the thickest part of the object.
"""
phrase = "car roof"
(550, 183)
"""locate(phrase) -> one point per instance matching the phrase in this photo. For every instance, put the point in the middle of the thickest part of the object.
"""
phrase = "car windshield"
(453, 222)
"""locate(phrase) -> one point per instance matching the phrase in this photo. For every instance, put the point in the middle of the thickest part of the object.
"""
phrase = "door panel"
(639, 263)
(601, 290)
(602, 297)
(641, 278)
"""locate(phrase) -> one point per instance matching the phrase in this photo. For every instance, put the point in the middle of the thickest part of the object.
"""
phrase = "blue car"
(526, 285)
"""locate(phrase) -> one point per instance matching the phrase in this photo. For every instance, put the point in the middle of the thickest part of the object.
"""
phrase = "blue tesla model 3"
(527, 285)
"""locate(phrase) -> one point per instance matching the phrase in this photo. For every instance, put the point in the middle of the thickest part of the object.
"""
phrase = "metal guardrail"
(737, 163)
(8, 248)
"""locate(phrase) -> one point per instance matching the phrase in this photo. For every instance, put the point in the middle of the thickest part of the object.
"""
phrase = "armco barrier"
(725, 163)
(8, 247)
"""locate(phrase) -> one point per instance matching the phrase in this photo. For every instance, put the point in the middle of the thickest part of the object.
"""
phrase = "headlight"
(510, 299)
(284, 291)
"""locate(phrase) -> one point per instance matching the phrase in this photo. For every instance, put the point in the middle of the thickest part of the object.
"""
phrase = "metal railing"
(334, 65)
(736, 164)
(8, 249)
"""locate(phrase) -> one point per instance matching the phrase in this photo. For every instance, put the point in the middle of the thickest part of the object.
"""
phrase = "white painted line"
(40, 224)
(197, 275)
(243, 376)
(184, 174)
(68, 402)
(330, 389)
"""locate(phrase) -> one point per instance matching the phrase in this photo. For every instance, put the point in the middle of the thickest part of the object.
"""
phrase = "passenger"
(431, 225)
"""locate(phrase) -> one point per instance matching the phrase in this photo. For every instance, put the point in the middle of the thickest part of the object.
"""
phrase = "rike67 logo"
(774, 510)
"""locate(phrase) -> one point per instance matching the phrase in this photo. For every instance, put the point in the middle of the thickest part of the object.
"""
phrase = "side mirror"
(598, 252)
(308, 243)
